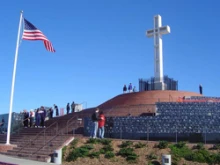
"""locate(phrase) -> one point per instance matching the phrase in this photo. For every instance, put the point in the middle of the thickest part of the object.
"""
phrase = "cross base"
(160, 86)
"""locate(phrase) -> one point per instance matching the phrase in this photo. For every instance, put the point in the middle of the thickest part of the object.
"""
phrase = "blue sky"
(101, 45)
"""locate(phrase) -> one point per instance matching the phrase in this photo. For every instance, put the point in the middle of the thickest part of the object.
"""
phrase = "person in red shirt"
(101, 125)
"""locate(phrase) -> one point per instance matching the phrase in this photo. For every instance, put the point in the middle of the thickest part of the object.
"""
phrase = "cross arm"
(162, 30)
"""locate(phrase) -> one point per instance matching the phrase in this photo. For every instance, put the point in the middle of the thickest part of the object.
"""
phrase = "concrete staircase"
(39, 143)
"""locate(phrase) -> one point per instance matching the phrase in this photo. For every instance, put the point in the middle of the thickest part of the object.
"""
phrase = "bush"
(94, 154)
(102, 151)
(125, 144)
(162, 144)
(199, 146)
(107, 148)
(89, 147)
(76, 153)
(132, 158)
(201, 156)
(105, 141)
(109, 155)
(63, 152)
(124, 152)
(180, 144)
(140, 145)
(92, 141)
(151, 156)
(74, 143)
(180, 152)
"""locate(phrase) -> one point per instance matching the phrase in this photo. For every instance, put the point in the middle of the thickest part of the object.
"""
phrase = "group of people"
(98, 120)
(68, 107)
(129, 88)
(35, 116)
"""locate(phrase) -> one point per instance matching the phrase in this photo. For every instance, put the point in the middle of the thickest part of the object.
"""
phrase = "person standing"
(124, 89)
(95, 119)
(42, 113)
(26, 117)
(37, 118)
(73, 107)
(51, 113)
(67, 108)
(101, 125)
(130, 88)
(57, 110)
(200, 89)
(32, 115)
(134, 89)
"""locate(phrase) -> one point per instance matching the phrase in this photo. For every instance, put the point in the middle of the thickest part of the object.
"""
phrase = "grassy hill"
(86, 151)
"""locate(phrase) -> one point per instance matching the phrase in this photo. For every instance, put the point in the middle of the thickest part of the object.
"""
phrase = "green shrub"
(107, 148)
(124, 152)
(109, 154)
(140, 145)
(76, 153)
(125, 144)
(92, 141)
(132, 158)
(151, 156)
(74, 143)
(180, 152)
(180, 144)
(162, 144)
(89, 147)
(105, 141)
(94, 154)
(63, 152)
(201, 156)
(199, 146)
(102, 151)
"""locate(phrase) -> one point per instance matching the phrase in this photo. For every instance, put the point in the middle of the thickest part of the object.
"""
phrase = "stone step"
(30, 152)
(40, 157)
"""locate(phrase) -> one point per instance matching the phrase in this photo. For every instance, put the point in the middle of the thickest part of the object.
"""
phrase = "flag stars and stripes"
(32, 33)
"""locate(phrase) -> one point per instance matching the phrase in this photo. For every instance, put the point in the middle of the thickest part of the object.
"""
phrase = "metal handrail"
(67, 123)
(43, 131)
(34, 152)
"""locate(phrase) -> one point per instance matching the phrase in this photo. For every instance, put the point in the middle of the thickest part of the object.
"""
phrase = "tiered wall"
(195, 121)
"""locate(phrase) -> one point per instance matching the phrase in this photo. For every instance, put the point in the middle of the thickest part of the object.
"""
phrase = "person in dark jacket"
(26, 117)
(37, 118)
(95, 119)
(73, 107)
(124, 89)
(67, 108)
(51, 113)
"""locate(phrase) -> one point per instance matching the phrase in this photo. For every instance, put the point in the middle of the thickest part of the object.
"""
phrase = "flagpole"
(13, 81)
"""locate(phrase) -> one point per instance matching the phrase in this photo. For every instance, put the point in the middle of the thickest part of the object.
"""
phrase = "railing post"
(176, 134)
(44, 137)
(147, 133)
(120, 130)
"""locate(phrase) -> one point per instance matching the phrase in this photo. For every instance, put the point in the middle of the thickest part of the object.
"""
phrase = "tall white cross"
(157, 33)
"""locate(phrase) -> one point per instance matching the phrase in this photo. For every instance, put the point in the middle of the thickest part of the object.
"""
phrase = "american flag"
(32, 33)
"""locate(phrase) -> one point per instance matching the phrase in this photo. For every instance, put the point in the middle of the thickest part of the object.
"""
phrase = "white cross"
(157, 33)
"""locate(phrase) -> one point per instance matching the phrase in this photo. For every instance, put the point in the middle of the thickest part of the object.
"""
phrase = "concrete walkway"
(18, 161)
